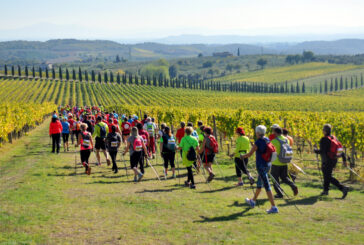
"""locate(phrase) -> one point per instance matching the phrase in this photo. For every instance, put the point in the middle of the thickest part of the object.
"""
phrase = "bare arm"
(254, 149)
(200, 150)
(126, 148)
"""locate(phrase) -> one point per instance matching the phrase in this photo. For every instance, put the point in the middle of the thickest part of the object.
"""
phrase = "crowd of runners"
(93, 129)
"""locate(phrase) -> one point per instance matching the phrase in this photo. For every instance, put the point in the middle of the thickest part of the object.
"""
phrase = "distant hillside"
(66, 50)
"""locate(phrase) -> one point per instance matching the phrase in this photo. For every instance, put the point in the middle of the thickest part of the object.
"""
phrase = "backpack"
(138, 144)
(211, 145)
(85, 140)
(102, 131)
(336, 148)
(270, 153)
(191, 154)
(170, 143)
(286, 154)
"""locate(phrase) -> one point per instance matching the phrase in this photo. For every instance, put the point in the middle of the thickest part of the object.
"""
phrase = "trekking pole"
(318, 168)
(300, 169)
(126, 169)
(279, 187)
(75, 161)
(156, 174)
(352, 170)
(179, 176)
(203, 174)
(218, 166)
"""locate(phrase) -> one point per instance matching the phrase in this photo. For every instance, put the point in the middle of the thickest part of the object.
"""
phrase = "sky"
(161, 18)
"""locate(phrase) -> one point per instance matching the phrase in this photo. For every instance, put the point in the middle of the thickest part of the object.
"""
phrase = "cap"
(54, 116)
(240, 130)
(275, 126)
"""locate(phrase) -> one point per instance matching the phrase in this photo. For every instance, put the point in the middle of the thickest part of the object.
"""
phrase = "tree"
(118, 78)
(290, 59)
(297, 88)
(207, 64)
(12, 71)
(40, 72)
(47, 73)
(111, 77)
(59, 73)
(117, 60)
(19, 71)
(79, 74)
(93, 76)
(326, 86)
(67, 74)
(73, 74)
(6, 70)
(200, 55)
(86, 76)
(336, 84)
(26, 71)
(238, 51)
(105, 77)
(53, 73)
(33, 71)
(173, 71)
(99, 77)
(346, 84)
(320, 88)
(297, 58)
(262, 62)
(211, 72)
(307, 56)
(341, 83)
(331, 86)
(303, 87)
(229, 67)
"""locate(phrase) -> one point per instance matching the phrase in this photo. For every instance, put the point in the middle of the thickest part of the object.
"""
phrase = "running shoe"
(250, 202)
(272, 210)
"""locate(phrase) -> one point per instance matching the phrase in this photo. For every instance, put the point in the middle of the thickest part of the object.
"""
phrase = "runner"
(272, 135)
(168, 151)
(135, 121)
(145, 136)
(65, 133)
(208, 149)
(113, 141)
(279, 166)
(264, 153)
(125, 126)
(188, 144)
(86, 143)
(136, 146)
(330, 150)
(150, 127)
(100, 134)
(55, 130)
(72, 123)
(242, 147)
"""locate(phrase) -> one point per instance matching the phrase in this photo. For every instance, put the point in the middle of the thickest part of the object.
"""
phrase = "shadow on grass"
(305, 201)
(218, 190)
(230, 217)
(160, 190)
(225, 178)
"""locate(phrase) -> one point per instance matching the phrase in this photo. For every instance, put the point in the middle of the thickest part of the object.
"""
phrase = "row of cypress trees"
(161, 81)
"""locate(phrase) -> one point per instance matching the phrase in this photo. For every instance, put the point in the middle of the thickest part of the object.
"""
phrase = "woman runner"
(86, 143)
(113, 141)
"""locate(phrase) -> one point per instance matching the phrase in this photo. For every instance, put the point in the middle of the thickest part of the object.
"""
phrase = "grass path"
(42, 201)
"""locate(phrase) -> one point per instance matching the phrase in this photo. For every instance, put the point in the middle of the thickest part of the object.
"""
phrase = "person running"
(188, 143)
(168, 151)
(207, 148)
(279, 165)
(135, 146)
(100, 134)
(330, 150)
(145, 136)
(242, 147)
(87, 120)
(263, 166)
(65, 133)
(72, 123)
(150, 127)
(55, 130)
(125, 126)
(285, 134)
(273, 135)
(135, 121)
(113, 141)
(86, 145)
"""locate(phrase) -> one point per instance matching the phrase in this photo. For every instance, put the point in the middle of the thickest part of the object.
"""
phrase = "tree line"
(161, 81)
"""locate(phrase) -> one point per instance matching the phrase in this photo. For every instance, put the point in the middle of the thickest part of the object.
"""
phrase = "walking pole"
(318, 166)
(218, 166)
(300, 169)
(279, 187)
(126, 169)
(203, 174)
(75, 161)
(153, 169)
(352, 170)
(179, 176)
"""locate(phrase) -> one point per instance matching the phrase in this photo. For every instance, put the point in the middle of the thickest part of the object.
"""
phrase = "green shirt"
(186, 144)
(200, 139)
(242, 146)
(277, 145)
(97, 129)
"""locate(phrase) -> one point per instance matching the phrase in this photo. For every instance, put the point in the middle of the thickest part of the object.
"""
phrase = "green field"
(44, 202)
(290, 73)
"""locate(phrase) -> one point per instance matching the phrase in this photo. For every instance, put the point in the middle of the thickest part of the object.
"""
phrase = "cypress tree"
(6, 70)
(53, 73)
(99, 77)
(356, 82)
(341, 83)
(361, 80)
(336, 85)
(19, 71)
(26, 71)
(303, 88)
(292, 88)
(33, 71)
(351, 83)
(346, 84)
(111, 77)
(74, 75)
(105, 77)
(154, 81)
(326, 87)
(136, 80)
(40, 72)
(59, 73)
(130, 78)
(124, 78)
(12, 71)
(118, 78)
(331, 86)
(47, 73)
(67, 74)
(79, 74)
(86, 75)
(142, 80)
(93, 76)
(297, 88)
(320, 88)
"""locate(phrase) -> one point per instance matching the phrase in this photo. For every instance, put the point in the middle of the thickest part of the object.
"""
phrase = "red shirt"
(134, 123)
(180, 134)
(145, 136)
(71, 122)
(55, 127)
(126, 127)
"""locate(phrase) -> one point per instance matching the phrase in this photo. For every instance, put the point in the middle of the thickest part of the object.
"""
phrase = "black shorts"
(100, 144)
(209, 158)
(126, 134)
(65, 137)
(134, 158)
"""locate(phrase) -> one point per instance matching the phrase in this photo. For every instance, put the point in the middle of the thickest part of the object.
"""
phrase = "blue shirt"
(194, 134)
(66, 127)
(262, 146)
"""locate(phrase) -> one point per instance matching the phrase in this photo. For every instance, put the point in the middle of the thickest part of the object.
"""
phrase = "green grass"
(43, 202)
(288, 73)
